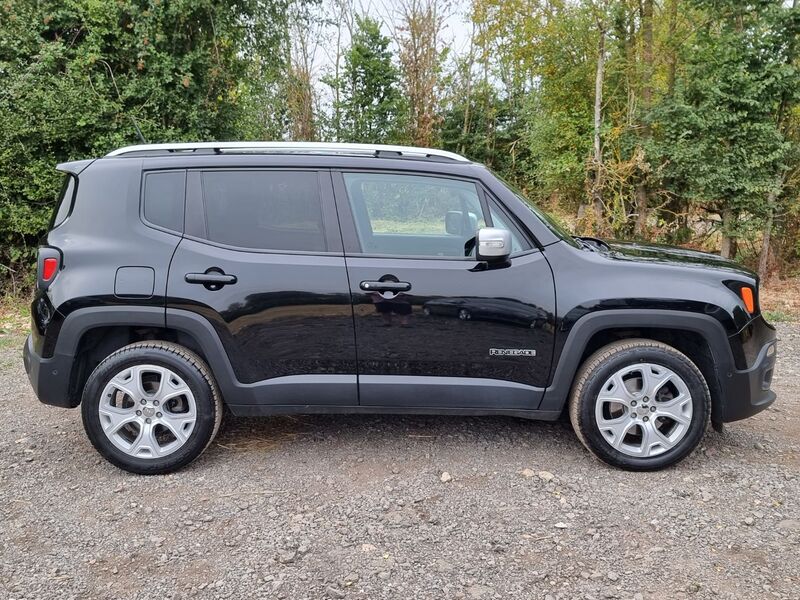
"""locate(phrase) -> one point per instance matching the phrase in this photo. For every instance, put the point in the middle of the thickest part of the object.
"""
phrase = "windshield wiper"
(591, 243)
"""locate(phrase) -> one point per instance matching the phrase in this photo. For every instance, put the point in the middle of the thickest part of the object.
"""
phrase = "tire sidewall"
(682, 367)
(204, 427)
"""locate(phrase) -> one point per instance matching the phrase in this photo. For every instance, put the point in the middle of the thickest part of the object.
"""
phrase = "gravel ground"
(398, 507)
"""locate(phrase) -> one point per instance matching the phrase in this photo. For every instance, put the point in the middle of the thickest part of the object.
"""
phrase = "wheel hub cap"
(644, 410)
(147, 411)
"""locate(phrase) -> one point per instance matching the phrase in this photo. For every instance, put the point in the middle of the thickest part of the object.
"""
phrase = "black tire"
(194, 372)
(607, 361)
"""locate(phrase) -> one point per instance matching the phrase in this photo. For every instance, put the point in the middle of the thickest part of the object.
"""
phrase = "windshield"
(549, 221)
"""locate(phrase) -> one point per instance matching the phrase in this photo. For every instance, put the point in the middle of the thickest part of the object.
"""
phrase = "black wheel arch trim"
(713, 332)
(82, 320)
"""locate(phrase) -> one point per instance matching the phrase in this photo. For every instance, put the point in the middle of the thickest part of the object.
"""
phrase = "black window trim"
(142, 188)
(517, 228)
(70, 177)
(331, 235)
(352, 242)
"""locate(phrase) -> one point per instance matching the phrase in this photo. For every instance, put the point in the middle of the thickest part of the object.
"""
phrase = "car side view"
(286, 278)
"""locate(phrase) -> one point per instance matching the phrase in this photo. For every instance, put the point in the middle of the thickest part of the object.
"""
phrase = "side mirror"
(493, 244)
(455, 223)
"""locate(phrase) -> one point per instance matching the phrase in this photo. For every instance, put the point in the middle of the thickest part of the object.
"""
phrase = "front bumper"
(48, 376)
(748, 390)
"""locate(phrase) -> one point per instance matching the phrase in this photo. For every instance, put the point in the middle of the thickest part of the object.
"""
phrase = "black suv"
(279, 278)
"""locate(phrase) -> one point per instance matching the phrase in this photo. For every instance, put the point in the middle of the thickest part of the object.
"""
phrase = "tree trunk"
(468, 93)
(597, 166)
(672, 59)
(763, 258)
(728, 248)
(640, 227)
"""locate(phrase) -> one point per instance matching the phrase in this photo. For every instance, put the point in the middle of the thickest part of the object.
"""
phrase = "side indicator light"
(49, 268)
(747, 298)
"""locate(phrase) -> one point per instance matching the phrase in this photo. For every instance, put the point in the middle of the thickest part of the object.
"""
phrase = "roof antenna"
(138, 131)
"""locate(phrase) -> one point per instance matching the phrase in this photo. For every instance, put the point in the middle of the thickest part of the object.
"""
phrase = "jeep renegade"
(284, 278)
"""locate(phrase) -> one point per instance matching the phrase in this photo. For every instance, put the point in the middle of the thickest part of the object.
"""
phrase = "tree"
(720, 134)
(419, 37)
(370, 98)
(596, 170)
(78, 77)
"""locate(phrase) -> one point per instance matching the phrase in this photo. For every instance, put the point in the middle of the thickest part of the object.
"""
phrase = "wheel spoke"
(169, 391)
(618, 428)
(129, 382)
(660, 437)
(180, 425)
(648, 438)
(677, 409)
(618, 393)
(146, 442)
(653, 438)
(113, 418)
(652, 381)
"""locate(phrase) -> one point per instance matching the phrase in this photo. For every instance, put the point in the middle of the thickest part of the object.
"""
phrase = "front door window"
(410, 215)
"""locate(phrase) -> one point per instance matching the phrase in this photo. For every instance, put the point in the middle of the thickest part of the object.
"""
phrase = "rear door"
(434, 328)
(262, 261)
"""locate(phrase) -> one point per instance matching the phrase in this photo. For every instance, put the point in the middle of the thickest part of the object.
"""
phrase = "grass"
(780, 300)
(14, 320)
(778, 316)
(414, 227)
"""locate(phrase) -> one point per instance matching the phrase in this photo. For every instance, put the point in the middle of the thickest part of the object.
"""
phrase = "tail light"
(49, 264)
(49, 268)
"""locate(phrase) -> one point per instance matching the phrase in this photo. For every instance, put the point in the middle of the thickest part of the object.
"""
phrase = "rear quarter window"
(164, 196)
(65, 198)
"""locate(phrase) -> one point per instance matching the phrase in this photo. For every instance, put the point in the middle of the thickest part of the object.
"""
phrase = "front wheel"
(151, 407)
(640, 405)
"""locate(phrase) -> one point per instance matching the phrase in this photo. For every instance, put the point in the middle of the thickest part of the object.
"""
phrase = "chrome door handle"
(212, 279)
(385, 286)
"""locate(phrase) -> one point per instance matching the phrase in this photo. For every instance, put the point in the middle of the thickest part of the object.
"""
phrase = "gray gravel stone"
(314, 507)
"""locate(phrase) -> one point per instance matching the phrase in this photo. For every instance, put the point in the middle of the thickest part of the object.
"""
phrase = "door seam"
(349, 285)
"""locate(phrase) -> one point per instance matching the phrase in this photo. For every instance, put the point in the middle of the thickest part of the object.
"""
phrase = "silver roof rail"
(291, 148)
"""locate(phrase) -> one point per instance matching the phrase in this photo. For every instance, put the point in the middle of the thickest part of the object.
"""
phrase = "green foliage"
(370, 100)
(719, 136)
(75, 75)
(698, 116)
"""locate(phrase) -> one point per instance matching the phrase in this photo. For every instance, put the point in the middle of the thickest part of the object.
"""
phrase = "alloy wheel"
(644, 410)
(147, 411)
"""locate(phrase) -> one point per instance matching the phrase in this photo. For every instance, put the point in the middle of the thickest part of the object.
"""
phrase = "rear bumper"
(49, 377)
(748, 390)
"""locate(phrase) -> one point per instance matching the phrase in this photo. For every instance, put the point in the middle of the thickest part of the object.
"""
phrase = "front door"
(262, 262)
(433, 328)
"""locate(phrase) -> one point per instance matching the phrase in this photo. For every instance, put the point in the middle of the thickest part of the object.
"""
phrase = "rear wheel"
(639, 405)
(151, 407)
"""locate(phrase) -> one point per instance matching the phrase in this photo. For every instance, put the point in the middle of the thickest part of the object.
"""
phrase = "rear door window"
(264, 209)
(164, 197)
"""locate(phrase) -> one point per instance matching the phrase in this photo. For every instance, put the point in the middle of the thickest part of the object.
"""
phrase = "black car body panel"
(292, 331)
